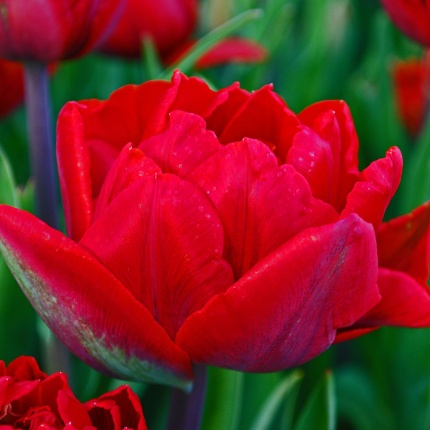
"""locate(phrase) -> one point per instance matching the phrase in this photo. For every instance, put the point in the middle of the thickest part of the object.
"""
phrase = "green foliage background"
(318, 49)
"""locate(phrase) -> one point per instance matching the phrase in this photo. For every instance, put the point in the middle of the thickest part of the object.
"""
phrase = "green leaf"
(320, 410)
(417, 172)
(210, 39)
(285, 391)
(152, 66)
(223, 399)
(7, 182)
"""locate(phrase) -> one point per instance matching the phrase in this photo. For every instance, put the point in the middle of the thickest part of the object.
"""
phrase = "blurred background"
(316, 50)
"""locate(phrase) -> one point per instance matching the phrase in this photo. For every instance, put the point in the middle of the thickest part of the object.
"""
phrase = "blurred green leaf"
(210, 39)
(320, 409)
(284, 392)
(416, 177)
(7, 182)
(223, 399)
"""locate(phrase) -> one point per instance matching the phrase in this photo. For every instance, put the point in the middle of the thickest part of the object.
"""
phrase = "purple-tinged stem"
(41, 142)
(186, 410)
(42, 164)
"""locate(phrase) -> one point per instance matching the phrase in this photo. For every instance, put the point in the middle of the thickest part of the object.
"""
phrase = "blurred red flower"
(11, 86)
(170, 25)
(30, 399)
(52, 30)
(412, 91)
(412, 17)
(216, 227)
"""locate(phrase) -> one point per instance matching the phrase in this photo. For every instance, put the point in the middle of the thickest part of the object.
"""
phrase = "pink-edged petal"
(130, 166)
(404, 244)
(260, 204)
(404, 302)
(163, 240)
(287, 308)
(121, 405)
(234, 50)
(86, 306)
(266, 117)
(183, 145)
(374, 190)
(332, 120)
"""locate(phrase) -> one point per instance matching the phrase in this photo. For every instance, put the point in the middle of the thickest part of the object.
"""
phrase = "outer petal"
(163, 240)
(377, 184)
(287, 308)
(404, 244)
(260, 204)
(412, 17)
(85, 306)
(404, 302)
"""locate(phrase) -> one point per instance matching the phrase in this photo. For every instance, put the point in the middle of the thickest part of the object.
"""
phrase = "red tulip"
(412, 91)
(31, 399)
(11, 86)
(412, 17)
(170, 26)
(52, 30)
(215, 227)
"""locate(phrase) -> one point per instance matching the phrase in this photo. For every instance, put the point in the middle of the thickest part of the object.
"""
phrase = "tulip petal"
(183, 145)
(332, 120)
(165, 247)
(404, 302)
(260, 204)
(85, 306)
(404, 244)
(412, 17)
(266, 117)
(237, 50)
(287, 308)
(130, 166)
(128, 413)
(373, 192)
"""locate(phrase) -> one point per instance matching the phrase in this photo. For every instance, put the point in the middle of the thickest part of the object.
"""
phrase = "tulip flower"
(170, 26)
(52, 30)
(11, 86)
(412, 90)
(412, 17)
(29, 398)
(215, 227)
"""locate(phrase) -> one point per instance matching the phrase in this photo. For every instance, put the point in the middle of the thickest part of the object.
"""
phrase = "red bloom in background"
(31, 399)
(11, 86)
(412, 17)
(412, 91)
(216, 227)
(52, 30)
(170, 26)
